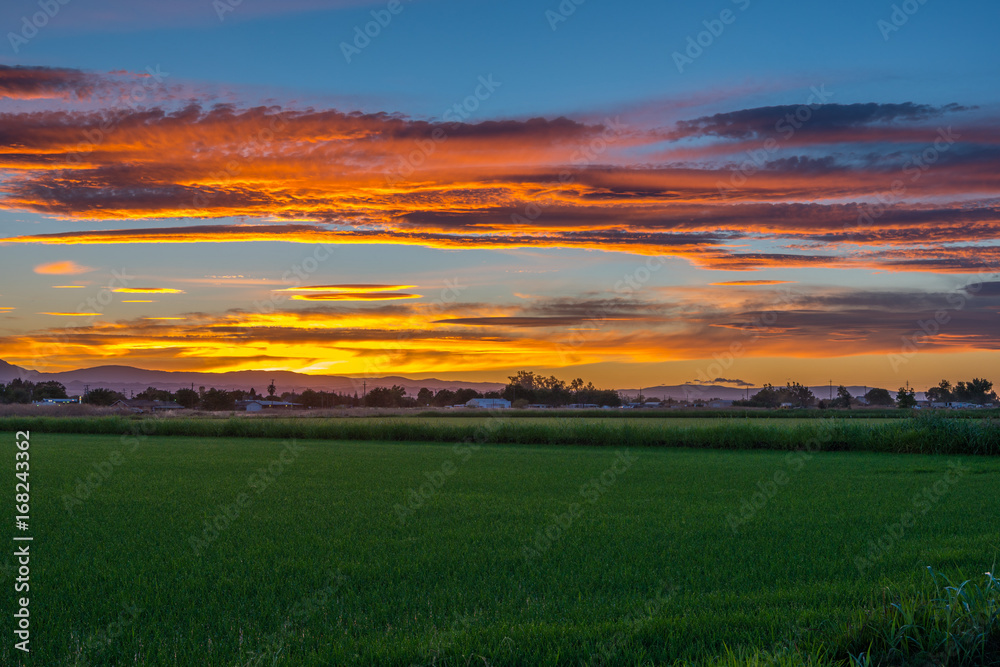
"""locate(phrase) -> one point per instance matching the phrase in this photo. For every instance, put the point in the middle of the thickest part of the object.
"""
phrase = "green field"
(335, 558)
(926, 434)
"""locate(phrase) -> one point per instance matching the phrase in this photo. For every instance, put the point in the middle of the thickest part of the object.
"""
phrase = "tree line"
(524, 388)
(24, 391)
(978, 391)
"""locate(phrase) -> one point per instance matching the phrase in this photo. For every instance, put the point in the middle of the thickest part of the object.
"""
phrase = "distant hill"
(128, 379)
(687, 392)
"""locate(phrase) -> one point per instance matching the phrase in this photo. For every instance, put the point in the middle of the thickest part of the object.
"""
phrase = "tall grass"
(932, 434)
(944, 625)
(950, 624)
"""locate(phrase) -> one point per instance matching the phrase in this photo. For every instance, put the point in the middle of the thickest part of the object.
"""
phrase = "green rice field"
(178, 550)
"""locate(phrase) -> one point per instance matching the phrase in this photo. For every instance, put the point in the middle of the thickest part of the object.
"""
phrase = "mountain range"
(130, 380)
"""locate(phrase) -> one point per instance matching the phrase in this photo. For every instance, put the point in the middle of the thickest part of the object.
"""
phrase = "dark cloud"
(47, 82)
(767, 121)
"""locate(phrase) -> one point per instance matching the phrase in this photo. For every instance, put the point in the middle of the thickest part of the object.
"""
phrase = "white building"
(489, 403)
(256, 405)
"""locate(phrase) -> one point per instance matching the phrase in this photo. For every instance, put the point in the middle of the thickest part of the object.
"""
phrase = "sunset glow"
(636, 224)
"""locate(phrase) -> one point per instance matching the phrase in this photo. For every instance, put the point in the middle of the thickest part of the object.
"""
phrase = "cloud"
(64, 268)
(355, 296)
(415, 336)
(817, 119)
(71, 314)
(147, 290)
(44, 82)
(333, 177)
(741, 383)
(347, 289)
(752, 283)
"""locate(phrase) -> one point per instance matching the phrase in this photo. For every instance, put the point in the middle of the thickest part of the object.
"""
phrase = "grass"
(324, 564)
(950, 624)
(929, 433)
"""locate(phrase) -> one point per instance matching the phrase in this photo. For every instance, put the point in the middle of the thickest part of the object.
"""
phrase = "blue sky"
(562, 75)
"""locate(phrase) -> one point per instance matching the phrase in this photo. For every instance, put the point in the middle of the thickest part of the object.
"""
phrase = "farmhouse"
(256, 405)
(489, 403)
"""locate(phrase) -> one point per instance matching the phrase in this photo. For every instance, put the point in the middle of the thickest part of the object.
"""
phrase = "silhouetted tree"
(218, 399)
(843, 399)
(940, 393)
(879, 397)
(154, 394)
(102, 396)
(50, 389)
(385, 397)
(187, 397)
(906, 398)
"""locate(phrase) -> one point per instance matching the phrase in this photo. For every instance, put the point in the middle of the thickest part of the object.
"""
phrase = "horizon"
(673, 204)
(749, 389)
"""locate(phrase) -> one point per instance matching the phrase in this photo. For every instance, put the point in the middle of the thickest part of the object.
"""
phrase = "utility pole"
(831, 390)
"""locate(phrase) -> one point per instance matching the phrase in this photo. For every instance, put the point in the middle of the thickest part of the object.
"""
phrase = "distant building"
(137, 405)
(718, 403)
(57, 401)
(256, 405)
(489, 403)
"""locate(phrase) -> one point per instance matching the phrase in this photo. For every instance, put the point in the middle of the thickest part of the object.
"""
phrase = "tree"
(271, 389)
(18, 391)
(767, 397)
(154, 394)
(102, 396)
(879, 397)
(979, 391)
(906, 398)
(797, 395)
(940, 393)
(218, 399)
(843, 399)
(50, 389)
(385, 397)
(425, 396)
(187, 397)
(466, 395)
(444, 397)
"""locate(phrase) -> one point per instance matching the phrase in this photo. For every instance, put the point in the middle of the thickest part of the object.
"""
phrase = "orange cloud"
(65, 268)
(347, 289)
(147, 290)
(71, 314)
(423, 337)
(355, 296)
(751, 283)
(513, 184)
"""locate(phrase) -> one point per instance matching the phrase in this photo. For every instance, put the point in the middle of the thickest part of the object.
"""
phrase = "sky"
(633, 193)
